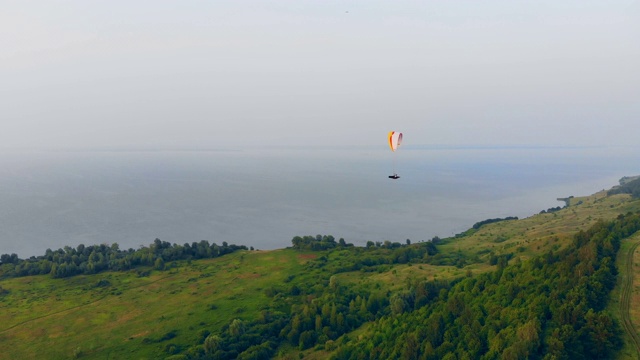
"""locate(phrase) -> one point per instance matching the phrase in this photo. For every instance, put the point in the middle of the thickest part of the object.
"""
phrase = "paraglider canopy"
(395, 139)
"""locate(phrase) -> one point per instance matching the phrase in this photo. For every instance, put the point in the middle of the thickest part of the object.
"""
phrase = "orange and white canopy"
(395, 138)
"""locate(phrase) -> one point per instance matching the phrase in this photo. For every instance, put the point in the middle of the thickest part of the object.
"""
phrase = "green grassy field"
(542, 232)
(73, 317)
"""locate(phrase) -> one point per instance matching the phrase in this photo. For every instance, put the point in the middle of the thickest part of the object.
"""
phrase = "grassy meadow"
(128, 318)
(541, 232)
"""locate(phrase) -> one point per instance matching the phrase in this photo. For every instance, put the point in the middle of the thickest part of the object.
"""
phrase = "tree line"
(317, 243)
(631, 187)
(479, 224)
(69, 261)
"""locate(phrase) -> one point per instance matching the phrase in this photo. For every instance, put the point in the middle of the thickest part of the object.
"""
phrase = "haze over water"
(262, 197)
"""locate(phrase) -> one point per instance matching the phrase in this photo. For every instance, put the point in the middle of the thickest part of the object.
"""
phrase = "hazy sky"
(229, 74)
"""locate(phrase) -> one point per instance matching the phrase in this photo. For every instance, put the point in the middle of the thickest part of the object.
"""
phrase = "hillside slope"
(329, 299)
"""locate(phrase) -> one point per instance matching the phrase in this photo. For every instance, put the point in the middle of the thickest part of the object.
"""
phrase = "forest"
(548, 307)
(93, 259)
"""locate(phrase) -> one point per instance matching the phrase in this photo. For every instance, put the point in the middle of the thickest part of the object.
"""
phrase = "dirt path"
(625, 299)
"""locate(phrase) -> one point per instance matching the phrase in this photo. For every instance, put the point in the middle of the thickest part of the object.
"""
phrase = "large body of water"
(264, 197)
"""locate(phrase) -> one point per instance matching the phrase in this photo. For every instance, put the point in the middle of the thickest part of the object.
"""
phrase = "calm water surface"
(264, 197)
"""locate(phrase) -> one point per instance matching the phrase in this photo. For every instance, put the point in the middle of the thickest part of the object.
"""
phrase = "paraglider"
(395, 139)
